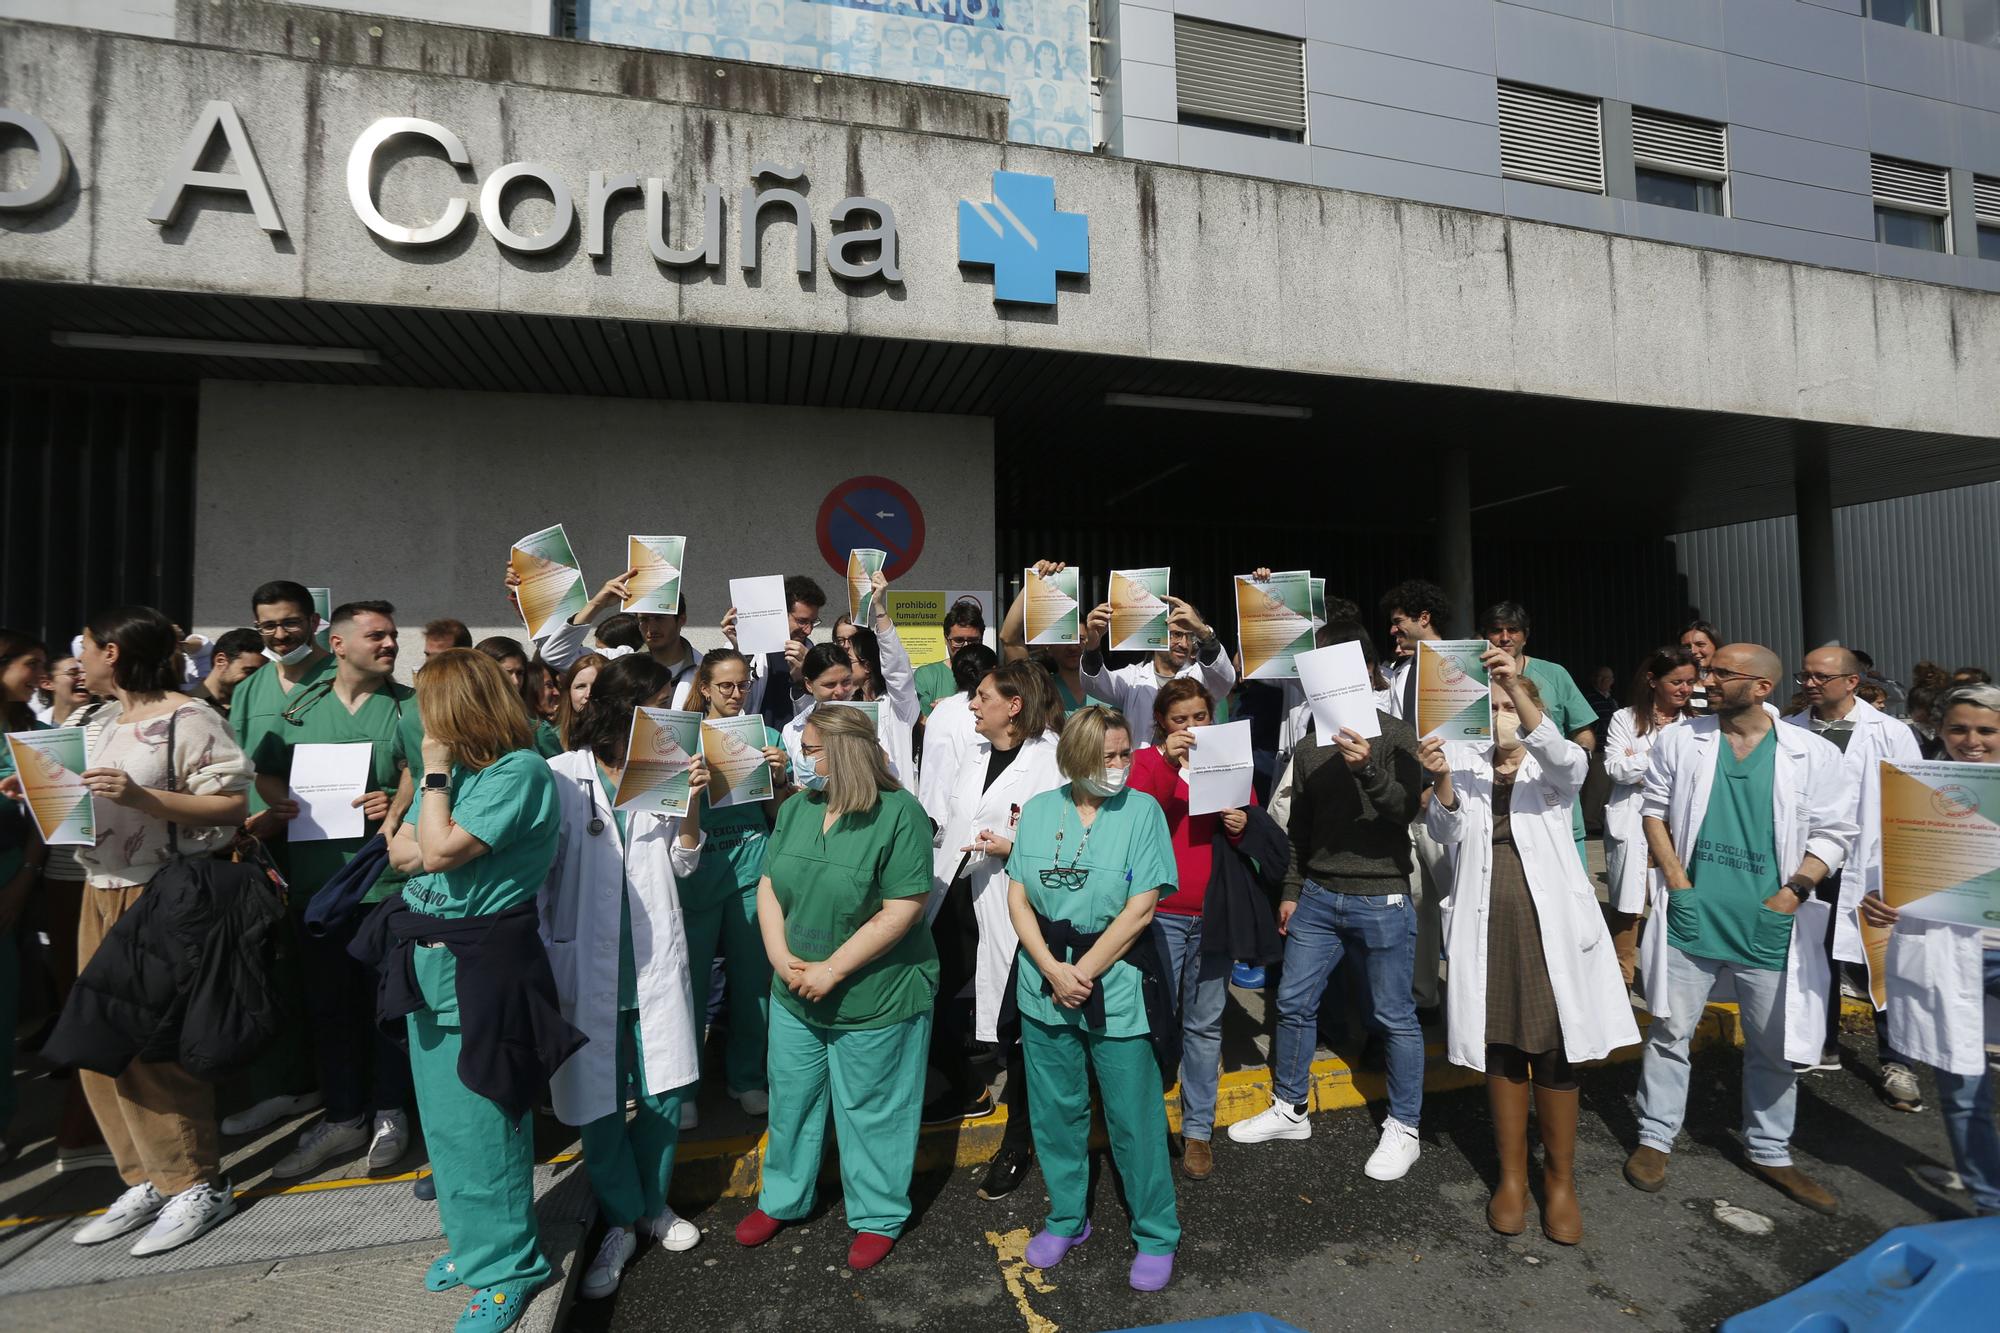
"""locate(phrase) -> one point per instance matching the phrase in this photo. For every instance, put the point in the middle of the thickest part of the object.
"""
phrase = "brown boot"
(1646, 1169)
(1507, 1210)
(1198, 1161)
(1562, 1216)
(1799, 1187)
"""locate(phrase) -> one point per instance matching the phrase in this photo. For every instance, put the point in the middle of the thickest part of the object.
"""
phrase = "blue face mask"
(807, 771)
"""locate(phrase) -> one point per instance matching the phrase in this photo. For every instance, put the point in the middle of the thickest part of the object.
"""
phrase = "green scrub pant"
(1134, 1111)
(482, 1163)
(630, 1165)
(874, 1078)
(723, 919)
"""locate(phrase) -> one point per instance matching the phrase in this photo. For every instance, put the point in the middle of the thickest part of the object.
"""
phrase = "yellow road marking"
(1012, 1250)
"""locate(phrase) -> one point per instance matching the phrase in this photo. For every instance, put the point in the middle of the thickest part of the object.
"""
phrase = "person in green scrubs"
(840, 908)
(1090, 860)
(513, 660)
(24, 664)
(964, 625)
(360, 1072)
(485, 835)
(719, 899)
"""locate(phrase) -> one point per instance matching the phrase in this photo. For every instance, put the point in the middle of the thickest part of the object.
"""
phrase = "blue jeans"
(1770, 1083)
(1968, 1119)
(1199, 984)
(1381, 933)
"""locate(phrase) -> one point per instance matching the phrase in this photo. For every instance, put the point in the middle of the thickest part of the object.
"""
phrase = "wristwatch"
(437, 782)
(1802, 889)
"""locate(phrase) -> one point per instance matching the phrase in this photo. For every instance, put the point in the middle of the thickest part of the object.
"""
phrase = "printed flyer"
(50, 764)
(1139, 610)
(1454, 695)
(658, 755)
(1274, 623)
(655, 586)
(863, 564)
(738, 772)
(1052, 606)
(551, 588)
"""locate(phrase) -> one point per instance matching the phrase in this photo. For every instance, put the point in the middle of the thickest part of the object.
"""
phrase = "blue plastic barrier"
(1229, 1323)
(1942, 1276)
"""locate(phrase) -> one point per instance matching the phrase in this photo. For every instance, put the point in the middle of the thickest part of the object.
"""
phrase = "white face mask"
(294, 657)
(808, 773)
(1506, 730)
(1110, 784)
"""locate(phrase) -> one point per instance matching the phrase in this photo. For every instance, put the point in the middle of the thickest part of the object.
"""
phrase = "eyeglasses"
(305, 701)
(269, 627)
(729, 686)
(1070, 878)
(1819, 677)
(1725, 675)
(963, 641)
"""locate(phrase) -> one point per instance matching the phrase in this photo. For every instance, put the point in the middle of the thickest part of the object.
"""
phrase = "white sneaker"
(753, 1102)
(1278, 1121)
(672, 1231)
(187, 1215)
(324, 1141)
(690, 1115)
(1941, 1177)
(135, 1208)
(391, 1141)
(1900, 1089)
(609, 1266)
(1395, 1154)
(269, 1112)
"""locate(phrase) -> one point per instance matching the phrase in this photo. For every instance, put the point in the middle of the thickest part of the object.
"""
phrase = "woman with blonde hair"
(841, 906)
(1090, 859)
(479, 848)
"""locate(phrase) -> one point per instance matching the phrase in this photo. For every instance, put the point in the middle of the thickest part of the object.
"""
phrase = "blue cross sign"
(1022, 238)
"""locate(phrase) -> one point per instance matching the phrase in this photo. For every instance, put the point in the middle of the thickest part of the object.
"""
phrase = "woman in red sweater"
(1200, 980)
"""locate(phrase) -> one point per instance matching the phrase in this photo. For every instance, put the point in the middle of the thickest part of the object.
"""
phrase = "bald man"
(1744, 818)
(1865, 736)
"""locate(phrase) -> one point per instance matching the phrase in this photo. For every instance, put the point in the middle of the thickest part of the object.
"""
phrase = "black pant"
(1828, 891)
(359, 1069)
(955, 932)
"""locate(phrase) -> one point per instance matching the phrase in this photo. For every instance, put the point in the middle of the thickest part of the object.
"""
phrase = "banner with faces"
(1034, 52)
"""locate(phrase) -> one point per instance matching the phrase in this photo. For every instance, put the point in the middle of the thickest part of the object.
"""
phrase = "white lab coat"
(1939, 1011)
(579, 908)
(1626, 753)
(1812, 813)
(1130, 689)
(793, 736)
(1877, 736)
(998, 808)
(1595, 1012)
(947, 734)
(900, 709)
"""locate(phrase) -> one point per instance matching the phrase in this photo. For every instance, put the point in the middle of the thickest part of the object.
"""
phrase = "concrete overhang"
(1400, 320)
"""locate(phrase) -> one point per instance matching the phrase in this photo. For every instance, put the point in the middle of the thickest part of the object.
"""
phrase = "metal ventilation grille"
(1910, 185)
(1553, 138)
(1256, 78)
(1685, 147)
(1986, 199)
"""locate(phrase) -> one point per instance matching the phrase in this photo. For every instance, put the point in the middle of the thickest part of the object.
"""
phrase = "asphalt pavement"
(1297, 1231)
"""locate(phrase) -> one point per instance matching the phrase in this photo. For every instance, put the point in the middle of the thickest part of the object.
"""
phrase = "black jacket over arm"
(1239, 917)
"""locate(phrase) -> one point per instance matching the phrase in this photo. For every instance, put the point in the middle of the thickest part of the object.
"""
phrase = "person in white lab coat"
(611, 922)
(1011, 759)
(1866, 736)
(1659, 696)
(883, 674)
(948, 731)
(1192, 650)
(1535, 985)
(1943, 980)
(1743, 816)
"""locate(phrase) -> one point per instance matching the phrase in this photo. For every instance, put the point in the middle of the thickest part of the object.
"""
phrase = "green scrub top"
(510, 806)
(1564, 702)
(1071, 703)
(1130, 852)
(934, 682)
(1734, 869)
(268, 740)
(738, 836)
(830, 884)
(548, 741)
(258, 701)
(628, 965)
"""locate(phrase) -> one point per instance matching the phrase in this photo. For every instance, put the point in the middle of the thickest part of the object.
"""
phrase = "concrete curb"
(729, 1168)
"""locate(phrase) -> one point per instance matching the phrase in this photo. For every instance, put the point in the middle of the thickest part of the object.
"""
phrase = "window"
(1239, 79)
(1920, 15)
(1551, 138)
(1982, 22)
(1681, 163)
(1986, 212)
(1912, 204)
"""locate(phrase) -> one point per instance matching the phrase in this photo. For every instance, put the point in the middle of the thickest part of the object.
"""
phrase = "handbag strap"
(173, 779)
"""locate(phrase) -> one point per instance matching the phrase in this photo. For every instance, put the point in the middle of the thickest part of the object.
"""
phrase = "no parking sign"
(872, 512)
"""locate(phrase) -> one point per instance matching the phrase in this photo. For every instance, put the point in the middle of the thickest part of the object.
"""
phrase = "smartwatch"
(1802, 889)
(437, 782)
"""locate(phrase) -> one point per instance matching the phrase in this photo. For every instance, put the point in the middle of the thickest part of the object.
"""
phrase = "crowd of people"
(996, 867)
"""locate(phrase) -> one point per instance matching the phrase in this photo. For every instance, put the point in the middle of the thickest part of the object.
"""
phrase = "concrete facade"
(1401, 102)
(1186, 265)
(452, 477)
(155, 18)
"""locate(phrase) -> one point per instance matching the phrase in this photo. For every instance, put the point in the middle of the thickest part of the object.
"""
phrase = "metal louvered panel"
(1986, 199)
(1258, 78)
(1674, 143)
(1910, 185)
(1552, 138)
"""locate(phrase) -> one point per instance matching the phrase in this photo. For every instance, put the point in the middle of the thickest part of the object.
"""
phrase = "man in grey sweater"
(1347, 892)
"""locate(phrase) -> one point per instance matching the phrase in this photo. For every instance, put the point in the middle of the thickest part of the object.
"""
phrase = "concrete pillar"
(1455, 540)
(1819, 566)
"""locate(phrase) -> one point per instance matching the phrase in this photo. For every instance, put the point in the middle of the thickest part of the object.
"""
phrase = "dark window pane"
(1919, 231)
(1689, 192)
(1903, 13)
(1989, 242)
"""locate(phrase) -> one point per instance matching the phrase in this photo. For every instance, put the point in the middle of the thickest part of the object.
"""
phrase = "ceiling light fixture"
(130, 342)
(1229, 406)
